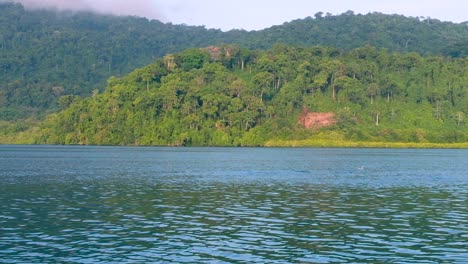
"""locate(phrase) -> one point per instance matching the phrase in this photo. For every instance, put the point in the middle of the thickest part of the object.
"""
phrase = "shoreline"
(363, 144)
(295, 144)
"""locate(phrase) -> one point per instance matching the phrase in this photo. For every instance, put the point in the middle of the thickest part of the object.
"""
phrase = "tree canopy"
(214, 96)
(45, 55)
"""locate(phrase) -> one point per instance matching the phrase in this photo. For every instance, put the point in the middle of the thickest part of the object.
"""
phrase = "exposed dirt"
(214, 51)
(316, 119)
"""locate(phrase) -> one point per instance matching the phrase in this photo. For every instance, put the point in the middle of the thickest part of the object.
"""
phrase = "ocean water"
(73, 204)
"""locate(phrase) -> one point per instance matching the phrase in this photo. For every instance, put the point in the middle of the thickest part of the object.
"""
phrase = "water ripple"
(94, 207)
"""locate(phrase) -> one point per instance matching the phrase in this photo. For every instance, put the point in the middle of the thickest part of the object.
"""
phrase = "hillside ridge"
(45, 56)
(240, 97)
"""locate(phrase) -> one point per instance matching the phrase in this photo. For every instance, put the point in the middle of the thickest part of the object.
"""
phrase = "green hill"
(45, 55)
(230, 96)
(347, 31)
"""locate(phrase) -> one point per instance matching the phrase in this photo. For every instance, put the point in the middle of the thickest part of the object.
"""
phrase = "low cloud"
(144, 8)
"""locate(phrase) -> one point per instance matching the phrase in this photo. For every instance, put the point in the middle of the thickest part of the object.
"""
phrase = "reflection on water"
(75, 204)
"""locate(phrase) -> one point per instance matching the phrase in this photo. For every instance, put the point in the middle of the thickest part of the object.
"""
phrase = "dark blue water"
(232, 205)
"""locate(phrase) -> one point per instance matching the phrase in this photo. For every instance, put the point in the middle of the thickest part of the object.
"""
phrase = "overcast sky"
(258, 14)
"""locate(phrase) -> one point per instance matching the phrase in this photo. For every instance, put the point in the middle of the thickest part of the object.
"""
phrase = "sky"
(256, 14)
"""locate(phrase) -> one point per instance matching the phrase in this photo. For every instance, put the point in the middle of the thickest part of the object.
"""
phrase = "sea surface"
(74, 204)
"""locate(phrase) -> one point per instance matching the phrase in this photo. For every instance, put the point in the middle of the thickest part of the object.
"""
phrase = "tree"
(389, 87)
(237, 87)
(436, 98)
(192, 59)
(334, 69)
(352, 86)
(147, 77)
(263, 82)
(460, 118)
(372, 91)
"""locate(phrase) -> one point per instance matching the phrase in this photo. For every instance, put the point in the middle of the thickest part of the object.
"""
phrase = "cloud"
(145, 8)
(77, 5)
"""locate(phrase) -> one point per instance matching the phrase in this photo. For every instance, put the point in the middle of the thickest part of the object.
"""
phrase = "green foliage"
(192, 59)
(347, 31)
(211, 103)
(45, 55)
(457, 49)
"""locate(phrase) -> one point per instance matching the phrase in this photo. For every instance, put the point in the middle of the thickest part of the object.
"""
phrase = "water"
(232, 205)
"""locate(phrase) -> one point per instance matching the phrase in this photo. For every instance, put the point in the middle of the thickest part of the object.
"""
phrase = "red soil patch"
(316, 120)
(214, 51)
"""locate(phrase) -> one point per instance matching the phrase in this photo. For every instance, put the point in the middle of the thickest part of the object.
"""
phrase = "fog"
(145, 8)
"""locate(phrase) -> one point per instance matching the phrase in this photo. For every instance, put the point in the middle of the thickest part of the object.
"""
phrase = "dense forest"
(230, 96)
(45, 55)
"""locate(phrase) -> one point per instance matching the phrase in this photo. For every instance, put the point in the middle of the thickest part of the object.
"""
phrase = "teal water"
(61, 204)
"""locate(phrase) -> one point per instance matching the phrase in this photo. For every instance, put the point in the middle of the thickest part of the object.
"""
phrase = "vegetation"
(45, 55)
(229, 96)
(425, 36)
(322, 141)
(48, 58)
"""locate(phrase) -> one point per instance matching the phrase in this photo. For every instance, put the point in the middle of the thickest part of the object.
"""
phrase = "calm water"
(231, 205)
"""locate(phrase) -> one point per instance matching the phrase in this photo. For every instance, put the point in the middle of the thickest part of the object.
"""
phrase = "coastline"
(363, 144)
(301, 144)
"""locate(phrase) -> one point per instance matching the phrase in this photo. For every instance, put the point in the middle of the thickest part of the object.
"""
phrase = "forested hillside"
(425, 36)
(45, 55)
(231, 96)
